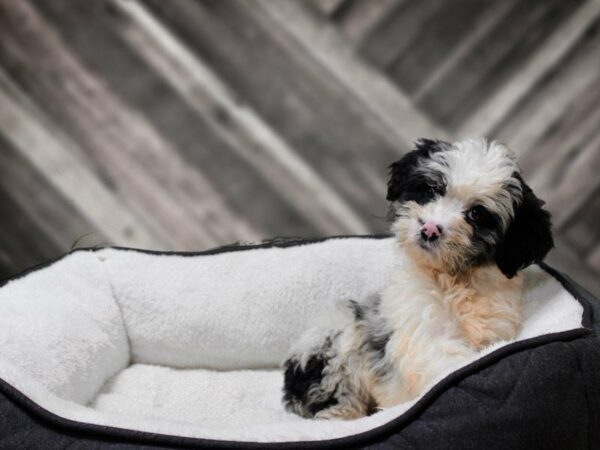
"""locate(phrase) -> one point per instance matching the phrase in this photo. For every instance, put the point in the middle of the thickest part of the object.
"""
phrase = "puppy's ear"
(401, 170)
(529, 236)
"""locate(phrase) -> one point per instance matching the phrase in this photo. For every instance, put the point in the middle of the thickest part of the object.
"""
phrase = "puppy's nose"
(431, 231)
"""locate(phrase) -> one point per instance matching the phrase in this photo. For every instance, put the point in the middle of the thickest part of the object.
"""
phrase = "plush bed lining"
(152, 378)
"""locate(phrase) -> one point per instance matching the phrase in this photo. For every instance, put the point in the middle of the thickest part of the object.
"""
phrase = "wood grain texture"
(360, 16)
(38, 223)
(404, 123)
(60, 163)
(250, 137)
(97, 38)
(426, 50)
(335, 138)
(150, 176)
(552, 53)
(494, 59)
(186, 124)
(329, 7)
(394, 34)
(556, 98)
(58, 220)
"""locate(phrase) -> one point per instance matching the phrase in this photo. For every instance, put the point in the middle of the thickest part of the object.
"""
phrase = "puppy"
(465, 224)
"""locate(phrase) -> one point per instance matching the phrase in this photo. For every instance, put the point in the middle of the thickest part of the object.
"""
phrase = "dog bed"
(119, 347)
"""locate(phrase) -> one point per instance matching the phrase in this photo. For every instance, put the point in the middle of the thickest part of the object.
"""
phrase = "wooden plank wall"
(187, 124)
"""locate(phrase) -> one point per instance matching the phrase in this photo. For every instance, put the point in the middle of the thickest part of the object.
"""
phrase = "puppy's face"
(458, 206)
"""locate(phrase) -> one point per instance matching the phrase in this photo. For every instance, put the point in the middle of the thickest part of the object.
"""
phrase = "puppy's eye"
(431, 192)
(476, 213)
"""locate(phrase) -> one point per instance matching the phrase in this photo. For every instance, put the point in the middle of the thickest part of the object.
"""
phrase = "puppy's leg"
(307, 388)
(317, 382)
(350, 406)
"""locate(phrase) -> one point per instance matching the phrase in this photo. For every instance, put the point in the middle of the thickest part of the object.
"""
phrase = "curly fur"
(448, 297)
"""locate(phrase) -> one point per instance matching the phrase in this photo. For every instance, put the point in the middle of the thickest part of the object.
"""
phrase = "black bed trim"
(112, 434)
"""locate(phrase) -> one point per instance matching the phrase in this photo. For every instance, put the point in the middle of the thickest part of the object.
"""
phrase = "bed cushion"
(184, 349)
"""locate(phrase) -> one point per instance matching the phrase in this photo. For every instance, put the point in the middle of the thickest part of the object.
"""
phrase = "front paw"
(341, 413)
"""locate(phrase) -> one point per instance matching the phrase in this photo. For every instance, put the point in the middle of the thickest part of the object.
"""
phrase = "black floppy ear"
(529, 236)
(401, 170)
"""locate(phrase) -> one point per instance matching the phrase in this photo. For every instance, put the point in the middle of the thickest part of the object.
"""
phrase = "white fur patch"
(475, 163)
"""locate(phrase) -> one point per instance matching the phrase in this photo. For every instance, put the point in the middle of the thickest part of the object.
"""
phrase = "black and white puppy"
(465, 224)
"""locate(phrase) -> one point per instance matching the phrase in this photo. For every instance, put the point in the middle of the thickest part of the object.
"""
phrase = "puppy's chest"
(481, 309)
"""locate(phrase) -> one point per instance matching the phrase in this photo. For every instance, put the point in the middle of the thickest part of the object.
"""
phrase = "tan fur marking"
(485, 304)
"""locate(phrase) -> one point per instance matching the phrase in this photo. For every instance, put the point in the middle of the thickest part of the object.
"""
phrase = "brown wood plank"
(514, 39)
(171, 196)
(293, 94)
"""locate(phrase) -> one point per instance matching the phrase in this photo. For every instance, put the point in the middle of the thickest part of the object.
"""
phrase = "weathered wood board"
(189, 124)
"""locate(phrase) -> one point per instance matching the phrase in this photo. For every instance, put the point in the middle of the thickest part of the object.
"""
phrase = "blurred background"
(184, 125)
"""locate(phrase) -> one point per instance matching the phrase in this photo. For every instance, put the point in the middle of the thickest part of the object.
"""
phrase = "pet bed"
(119, 347)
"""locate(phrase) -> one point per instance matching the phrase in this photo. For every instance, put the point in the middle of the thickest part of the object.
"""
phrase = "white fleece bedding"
(190, 345)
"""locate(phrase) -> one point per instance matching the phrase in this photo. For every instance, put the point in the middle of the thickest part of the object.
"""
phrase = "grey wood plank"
(174, 199)
(250, 137)
(593, 258)
(438, 36)
(551, 107)
(514, 39)
(582, 230)
(58, 159)
(398, 119)
(483, 23)
(360, 16)
(101, 37)
(329, 7)
(297, 72)
(394, 34)
(574, 122)
(18, 247)
(563, 258)
(293, 93)
(488, 117)
(57, 220)
(575, 180)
